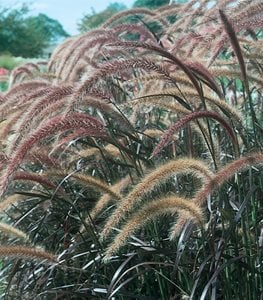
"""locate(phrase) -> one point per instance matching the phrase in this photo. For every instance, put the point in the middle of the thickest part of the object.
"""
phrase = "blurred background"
(31, 30)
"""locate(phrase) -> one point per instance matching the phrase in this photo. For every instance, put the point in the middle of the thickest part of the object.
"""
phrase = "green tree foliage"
(94, 19)
(150, 3)
(154, 3)
(27, 36)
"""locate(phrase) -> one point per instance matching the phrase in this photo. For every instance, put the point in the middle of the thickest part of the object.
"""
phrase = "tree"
(27, 36)
(47, 28)
(150, 3)
(154, 3)
(94, 19)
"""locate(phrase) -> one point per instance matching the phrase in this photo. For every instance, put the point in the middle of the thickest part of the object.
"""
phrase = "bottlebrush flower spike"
(105, 199)
(10, 200)
(26, 253)
(12, 231)
(134, 11)
(55, 125)
(204, 72)
(234, 42)
(114, 66)
(151, 181)
(43, 159)
(77, 134)
(218, 179)
(226, 173)
(36, 179)
(53, 95)
(23, 70)
(21, 93)
(150, 211)
(91, 181)
(134, 28)
(164, 53)
(184, 120)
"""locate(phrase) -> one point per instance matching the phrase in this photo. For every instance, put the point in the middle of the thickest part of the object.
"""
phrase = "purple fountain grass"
(247, 12)
(160, 100)
(42, 158)
(53, 95)
(80, 69)
(107, 35)
(11, 200)
(217, 48)
(235, 44)
(223, 175)
(134, 28)
(98, 42)
(108, 110)
(152, 210)
(162, 52)
(212, 13)
(226, 173)
(255, 23)
(17, 73)
(77, 46)
(3, 160)
(240, 20)
(78, 120)
(190, 94)
(2, 99)
(57, 54)
(196, 13)
(42, 63)
(151, 181)
(185, 10)
(8, 125)
(85, 153)
(166, 9)
(238, 52)
(25, 98)
(206, 74)
(183, 24)
(52, 110)
(32, 65)
(55, 125)
(111, 68)
(36, 179)
(23, 89)
(158, 18)
(12, 231)
(109, 150)
(106, 198)
(134, 11)
(157, 100)
(100, 94)
(78, 134)
(164, 12)
(27, 253)
(91, 181)
(166, 138)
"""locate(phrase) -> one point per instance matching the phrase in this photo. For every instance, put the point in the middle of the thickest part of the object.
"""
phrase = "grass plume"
(52, 126)
(11, 230)
(149, 212)
(27, 253)
(188, 118)
(223, 175)
(151, 181)
(89, 180)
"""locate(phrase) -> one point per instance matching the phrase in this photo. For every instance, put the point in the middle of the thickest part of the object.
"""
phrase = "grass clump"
(133, 157)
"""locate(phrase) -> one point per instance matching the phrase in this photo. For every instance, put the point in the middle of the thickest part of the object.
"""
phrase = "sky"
(67, 12)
